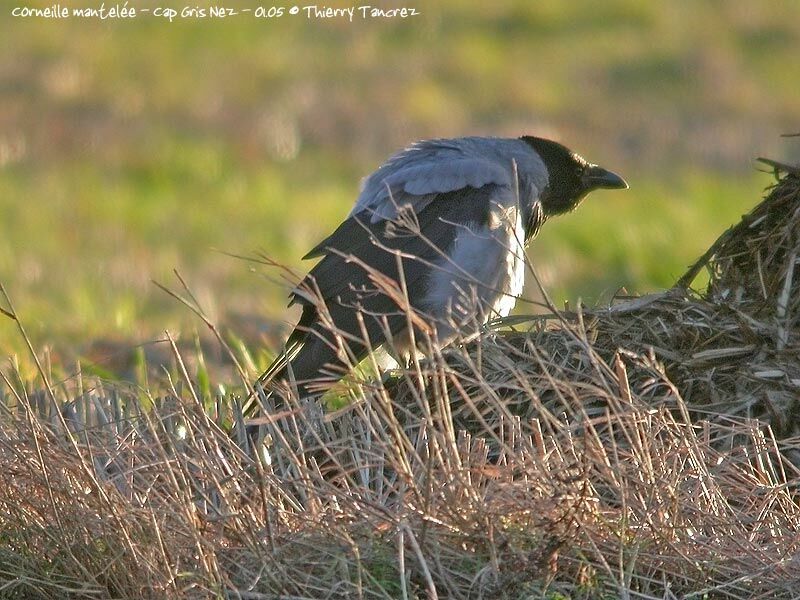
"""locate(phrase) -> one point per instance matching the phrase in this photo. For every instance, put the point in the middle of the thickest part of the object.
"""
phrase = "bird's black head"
(570, 176)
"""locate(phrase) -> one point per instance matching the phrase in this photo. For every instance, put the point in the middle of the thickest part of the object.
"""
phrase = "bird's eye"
(578, 171)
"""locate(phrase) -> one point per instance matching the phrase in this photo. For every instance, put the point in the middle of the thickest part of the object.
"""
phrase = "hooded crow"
(434, 246)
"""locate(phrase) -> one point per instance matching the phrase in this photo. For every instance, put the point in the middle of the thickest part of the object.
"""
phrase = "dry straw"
(625, 452)
(730, 350)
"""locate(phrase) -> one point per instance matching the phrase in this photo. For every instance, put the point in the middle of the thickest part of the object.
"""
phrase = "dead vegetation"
(643, 450)
(730, 352)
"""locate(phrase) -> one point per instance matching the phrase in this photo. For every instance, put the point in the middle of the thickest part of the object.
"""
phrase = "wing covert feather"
(421, 173)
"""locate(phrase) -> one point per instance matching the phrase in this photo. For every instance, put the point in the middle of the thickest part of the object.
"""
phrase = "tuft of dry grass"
(636, 451)
(390, 500)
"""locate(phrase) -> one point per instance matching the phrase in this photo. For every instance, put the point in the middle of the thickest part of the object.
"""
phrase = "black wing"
(344, 281)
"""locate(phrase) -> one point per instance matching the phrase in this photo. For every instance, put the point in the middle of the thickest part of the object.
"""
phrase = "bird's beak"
(597, 177)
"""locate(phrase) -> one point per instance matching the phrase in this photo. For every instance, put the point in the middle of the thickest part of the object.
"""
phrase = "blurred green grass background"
(132, 148)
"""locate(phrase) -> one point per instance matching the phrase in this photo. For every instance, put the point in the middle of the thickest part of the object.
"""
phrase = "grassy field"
(132, 148)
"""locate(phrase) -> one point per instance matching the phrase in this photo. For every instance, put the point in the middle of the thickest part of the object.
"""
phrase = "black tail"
(308, 365)
(265, 385)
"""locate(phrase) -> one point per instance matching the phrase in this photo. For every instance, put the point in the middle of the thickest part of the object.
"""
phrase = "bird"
(434, 246)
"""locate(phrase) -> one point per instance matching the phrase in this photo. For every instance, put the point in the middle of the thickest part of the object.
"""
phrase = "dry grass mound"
(626, 452)
(390, 501)
(732, 351)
